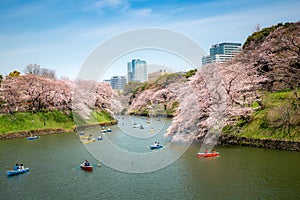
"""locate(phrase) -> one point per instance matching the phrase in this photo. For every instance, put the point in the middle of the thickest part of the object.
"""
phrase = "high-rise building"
(221, 53)
(137, 71)
(118, 82)
(130, 72)
(141, 73)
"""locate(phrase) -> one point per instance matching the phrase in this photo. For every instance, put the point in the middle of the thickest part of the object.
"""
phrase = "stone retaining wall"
(261, 143)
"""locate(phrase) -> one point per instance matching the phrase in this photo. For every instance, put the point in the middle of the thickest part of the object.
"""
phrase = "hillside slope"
(275, 52)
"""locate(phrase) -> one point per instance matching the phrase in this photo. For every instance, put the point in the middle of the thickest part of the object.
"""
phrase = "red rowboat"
(87, 168)
(205, 155)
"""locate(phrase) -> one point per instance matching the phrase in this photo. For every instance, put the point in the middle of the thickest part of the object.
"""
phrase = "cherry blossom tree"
(153, 101)
(218, 94)
(89, 96)
(202, 104)
(10, 94)
(35, 93)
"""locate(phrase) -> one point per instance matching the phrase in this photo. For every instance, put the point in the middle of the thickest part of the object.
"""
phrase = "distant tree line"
(36, 69)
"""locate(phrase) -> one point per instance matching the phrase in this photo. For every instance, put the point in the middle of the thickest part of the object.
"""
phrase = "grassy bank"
(278, 118)
(97, 117)
(19, 122)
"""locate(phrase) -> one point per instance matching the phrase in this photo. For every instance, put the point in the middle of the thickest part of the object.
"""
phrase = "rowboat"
(33, 137)
(83, 137)
(86, 168)
(18, 171)
(205, 155)
(100, 137)
(89, 141)
(156, 147)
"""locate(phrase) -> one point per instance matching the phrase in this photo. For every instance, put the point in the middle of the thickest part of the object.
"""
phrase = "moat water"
(239, 172)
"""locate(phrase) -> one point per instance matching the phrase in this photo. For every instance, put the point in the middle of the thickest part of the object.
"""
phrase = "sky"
(60, 35)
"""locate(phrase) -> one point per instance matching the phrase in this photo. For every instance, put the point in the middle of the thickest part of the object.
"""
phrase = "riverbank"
(48, 131)
(83, 127)
(20, 125)
(35, 121)
(226, 139)
(39, 132)
(62, 123)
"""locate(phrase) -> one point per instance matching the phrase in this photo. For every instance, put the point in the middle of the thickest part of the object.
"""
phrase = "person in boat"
(206, 151)
(157, 144)
(86, 163)
(213, 151)
(21, 166)
(16, 167)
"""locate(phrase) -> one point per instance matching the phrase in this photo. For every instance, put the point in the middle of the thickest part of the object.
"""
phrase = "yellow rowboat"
(88, 141)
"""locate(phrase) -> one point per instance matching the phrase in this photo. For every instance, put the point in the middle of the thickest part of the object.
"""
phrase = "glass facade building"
(221, 53)
(137, 71)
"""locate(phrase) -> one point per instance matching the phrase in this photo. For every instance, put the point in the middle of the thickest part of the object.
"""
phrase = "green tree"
(15, 73)
(1, 79)
(190, 73)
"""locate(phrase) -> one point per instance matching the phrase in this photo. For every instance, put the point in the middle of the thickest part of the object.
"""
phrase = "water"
(239, 173)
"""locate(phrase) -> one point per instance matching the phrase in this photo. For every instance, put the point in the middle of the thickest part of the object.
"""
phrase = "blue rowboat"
(33, 138)
(18, 171)
(100, 138)
(156, 147)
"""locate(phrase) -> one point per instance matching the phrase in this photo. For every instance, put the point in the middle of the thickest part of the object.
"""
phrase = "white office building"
(221, 53)
(118, 82)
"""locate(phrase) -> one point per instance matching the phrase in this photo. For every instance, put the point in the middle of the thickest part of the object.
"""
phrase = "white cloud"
(143, 12)
(101, 5)
(110, 3)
